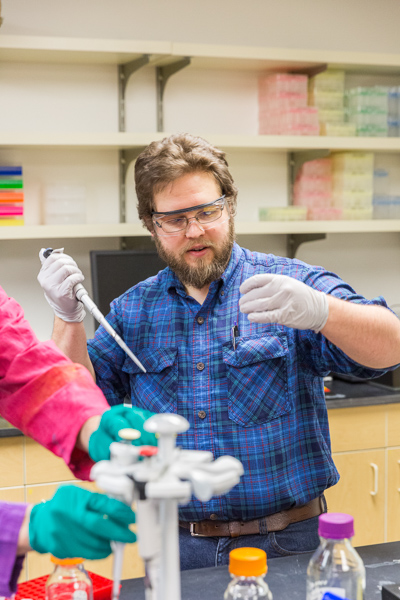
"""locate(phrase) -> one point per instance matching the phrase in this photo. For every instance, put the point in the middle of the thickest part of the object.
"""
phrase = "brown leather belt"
(275, 522)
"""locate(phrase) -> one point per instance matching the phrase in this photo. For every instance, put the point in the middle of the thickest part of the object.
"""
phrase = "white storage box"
(64, 204)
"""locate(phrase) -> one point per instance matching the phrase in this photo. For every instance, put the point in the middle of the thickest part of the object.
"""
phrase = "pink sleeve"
(42, 392)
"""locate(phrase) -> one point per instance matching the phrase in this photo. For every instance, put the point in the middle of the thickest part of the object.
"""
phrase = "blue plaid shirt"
(262, 402)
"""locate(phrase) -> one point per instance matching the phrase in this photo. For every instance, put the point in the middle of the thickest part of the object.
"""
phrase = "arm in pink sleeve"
(42, 392)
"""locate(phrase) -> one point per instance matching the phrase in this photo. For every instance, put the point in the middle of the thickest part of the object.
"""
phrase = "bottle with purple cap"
(336, 566)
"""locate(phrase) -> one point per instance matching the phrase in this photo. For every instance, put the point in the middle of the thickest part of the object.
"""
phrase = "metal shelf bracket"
(294, 240)
(162, 76)
(125, 159)
(124, 73)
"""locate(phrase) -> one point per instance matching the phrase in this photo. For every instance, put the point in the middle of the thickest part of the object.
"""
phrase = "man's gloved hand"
(280, 299)
(119, 417)
(58, 277)
(79, 523)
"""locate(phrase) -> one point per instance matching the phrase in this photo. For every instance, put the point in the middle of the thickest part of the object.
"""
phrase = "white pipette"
(83, 296)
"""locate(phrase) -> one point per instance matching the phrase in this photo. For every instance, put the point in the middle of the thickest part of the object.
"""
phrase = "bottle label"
(318, 593)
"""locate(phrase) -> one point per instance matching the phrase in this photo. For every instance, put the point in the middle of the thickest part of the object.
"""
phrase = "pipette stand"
(158, 480)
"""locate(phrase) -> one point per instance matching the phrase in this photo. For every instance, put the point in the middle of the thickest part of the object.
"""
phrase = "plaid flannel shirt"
(262, 402)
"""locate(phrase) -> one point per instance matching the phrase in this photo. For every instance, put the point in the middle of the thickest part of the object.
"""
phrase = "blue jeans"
(200, 552)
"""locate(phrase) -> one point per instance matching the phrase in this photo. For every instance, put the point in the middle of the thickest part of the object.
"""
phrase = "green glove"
(79, 523)
(119, 417)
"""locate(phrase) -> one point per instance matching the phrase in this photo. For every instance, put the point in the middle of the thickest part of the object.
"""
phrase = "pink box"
(279, 83)
(321, 167)
(313, 201)
(279, 102)
(304, 186)
(11, 210)
(293, 121)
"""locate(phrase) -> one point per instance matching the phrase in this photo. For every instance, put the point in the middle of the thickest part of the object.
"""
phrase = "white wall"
(29, 100)
(365, 25)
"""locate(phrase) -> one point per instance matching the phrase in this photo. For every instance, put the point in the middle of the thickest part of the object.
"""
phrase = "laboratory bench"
(286, 576)
(349, 394)
(365, 436)
(7, 430)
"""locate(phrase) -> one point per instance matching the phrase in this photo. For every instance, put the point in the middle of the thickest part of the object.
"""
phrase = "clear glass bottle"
(69, 580)
(247, 567)
(336, 566)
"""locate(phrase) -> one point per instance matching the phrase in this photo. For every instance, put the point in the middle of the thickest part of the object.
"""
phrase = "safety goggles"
(174, 221)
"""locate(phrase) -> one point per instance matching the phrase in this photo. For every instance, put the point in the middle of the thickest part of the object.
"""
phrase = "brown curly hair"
(163, 162)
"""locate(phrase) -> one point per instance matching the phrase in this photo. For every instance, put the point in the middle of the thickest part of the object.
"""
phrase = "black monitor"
(115, 271)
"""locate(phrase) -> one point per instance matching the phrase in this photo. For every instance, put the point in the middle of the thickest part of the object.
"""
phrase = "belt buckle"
(192, 531)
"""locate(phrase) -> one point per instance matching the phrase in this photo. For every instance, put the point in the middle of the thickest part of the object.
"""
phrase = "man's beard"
(203, 273)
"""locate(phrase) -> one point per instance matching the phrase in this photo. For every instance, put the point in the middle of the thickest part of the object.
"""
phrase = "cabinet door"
(360, 428)
(361, 493)
(393, 498)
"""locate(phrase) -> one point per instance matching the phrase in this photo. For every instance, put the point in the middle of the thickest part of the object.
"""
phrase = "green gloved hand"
(119, 417)
(79, 523)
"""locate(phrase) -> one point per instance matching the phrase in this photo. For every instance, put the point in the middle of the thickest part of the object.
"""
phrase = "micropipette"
(83, 296)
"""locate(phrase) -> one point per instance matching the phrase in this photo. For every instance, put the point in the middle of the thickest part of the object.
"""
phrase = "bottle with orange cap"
(248, 567)
(69, 580)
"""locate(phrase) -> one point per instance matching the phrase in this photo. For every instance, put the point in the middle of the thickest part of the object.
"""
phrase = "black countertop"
(343, 394)
(365, 393)
(7, 430)
(286, 576)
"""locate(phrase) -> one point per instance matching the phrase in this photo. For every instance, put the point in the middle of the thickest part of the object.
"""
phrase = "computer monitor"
(115, 271)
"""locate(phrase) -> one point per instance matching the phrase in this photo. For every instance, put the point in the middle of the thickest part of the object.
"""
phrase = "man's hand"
(280, 299)
(58, 277)
(113, 420)
(79, 523)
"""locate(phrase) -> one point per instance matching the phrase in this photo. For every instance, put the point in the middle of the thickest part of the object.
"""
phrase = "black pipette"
(83, 296)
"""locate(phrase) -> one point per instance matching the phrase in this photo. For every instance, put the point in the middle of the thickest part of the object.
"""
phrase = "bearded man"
(238, 342)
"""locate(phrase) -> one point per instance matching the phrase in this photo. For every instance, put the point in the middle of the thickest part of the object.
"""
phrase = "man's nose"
(193, 228)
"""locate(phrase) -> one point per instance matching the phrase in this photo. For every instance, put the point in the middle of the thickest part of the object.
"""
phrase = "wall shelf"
(52, 50)
(14, 48)
(291, 59)
(293, 227)
(59, 50)
(33, 232)
(268, 143)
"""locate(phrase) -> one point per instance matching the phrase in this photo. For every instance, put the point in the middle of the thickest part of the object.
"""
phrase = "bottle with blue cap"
(335, 569)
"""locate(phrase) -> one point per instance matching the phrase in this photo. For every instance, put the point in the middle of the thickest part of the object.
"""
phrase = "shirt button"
(202, 414)
(214, 517)
(222, 293)
(200, 366)
(200, 320)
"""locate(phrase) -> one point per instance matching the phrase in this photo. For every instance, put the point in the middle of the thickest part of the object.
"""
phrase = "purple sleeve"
(11, 517)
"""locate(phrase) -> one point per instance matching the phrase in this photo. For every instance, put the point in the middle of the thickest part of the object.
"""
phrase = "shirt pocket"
(257, 373)
(155, 390)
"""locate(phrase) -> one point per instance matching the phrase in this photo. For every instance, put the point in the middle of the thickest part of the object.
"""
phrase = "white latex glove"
(58, 277)
(280, 299)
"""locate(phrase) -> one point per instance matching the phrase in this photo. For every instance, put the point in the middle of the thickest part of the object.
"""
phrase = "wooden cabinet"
(12, 462)
(364, 441)
(361, 493)
(39, 564)
(393, 495)
(30, 473)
